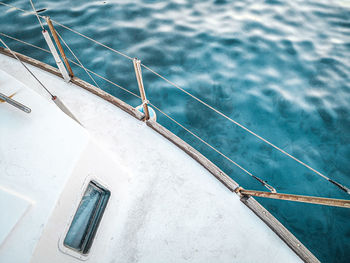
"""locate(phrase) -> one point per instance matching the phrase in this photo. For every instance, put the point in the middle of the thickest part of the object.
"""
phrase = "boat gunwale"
(276, 226)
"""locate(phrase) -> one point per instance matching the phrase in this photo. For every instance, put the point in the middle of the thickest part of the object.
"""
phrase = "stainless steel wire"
(342, 187)
(31, 73)
(72, 30)
(109, 81)
(17, 8)
(64, 42)
(26, 43)
(75, 63)
(272, 189)
(193, 134)
(37, 16)
(93, 40)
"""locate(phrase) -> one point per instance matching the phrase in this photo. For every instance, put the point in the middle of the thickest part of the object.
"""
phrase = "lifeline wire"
(15, 7)
(75, 63)
(109, 81)
(340, 186)
(120, 53)
(93, 40)
(52, 96)
(64, 42)
(196, 136)
(36, 13)
(70, 29)
(272, 189)
(240, 189)
(264, 183)
(24, 42)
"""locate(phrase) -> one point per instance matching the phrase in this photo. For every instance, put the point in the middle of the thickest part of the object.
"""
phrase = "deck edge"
(279, 229)
(250, 202)
(79, 82)
(196, 155)
(276, 226)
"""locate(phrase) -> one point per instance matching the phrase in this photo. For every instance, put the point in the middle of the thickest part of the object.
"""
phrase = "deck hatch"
(87, 218)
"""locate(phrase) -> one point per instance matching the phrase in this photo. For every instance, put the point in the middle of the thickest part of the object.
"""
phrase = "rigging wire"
(264, 183)
(15, 7)
(64, 42)
(37, 16)
(14, 54)
(193, 134)
(72, 30)
(109, 81)
(54, 98)
(340, 186)
(93, 40)
(26, 43)
(73, 62)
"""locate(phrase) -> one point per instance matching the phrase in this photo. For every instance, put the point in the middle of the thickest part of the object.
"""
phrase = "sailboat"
(86, 177)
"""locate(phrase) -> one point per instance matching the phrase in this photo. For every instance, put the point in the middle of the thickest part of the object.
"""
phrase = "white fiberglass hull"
(164, 206)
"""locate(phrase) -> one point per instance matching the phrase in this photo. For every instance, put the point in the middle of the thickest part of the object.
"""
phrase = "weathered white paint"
(12, 206)
(55, 55)
(164, 206)
(38, 152)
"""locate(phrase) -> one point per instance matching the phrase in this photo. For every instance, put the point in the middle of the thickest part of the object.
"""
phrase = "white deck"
(164, 206)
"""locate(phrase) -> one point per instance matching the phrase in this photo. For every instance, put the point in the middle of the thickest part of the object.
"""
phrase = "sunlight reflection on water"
(280, 68)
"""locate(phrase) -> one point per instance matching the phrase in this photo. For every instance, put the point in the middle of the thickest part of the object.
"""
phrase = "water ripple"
(280, 67)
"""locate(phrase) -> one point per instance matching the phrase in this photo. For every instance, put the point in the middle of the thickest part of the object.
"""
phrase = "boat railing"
(144, 102)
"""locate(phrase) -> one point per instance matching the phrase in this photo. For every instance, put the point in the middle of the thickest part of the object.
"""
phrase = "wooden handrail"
(137, 67)
(60, 48)
(297, 198)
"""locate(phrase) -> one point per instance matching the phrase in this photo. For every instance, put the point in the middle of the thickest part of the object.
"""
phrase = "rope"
(64, 42)
(264, 183)
(14, 54)
(37, 16)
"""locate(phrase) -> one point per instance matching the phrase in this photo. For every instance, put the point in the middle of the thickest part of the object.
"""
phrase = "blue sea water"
(281, 68)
